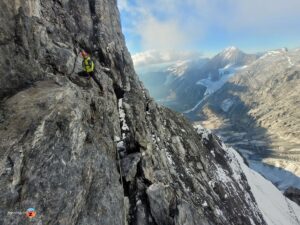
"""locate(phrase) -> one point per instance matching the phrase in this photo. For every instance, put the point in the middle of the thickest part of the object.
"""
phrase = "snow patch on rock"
(204, 132)
(122, 118)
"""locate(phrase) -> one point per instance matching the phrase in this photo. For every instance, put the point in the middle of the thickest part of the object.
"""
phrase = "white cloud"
(162, 35)
(169, 33)
(123, 5)
(152, 57)
(178, 24)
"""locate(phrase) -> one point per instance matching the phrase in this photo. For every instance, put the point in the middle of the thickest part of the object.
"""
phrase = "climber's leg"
(92, 74)
(83, 74)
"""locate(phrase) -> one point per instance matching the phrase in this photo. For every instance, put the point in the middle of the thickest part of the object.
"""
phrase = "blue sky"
(208, 26)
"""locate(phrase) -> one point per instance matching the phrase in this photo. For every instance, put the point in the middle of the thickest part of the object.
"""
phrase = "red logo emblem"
(31, 213)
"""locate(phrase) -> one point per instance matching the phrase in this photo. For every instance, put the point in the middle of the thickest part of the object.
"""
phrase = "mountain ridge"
(182, 91)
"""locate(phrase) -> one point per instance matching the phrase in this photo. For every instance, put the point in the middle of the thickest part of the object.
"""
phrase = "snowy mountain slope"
(224, 73)
(229, 57)
(275, 207)
(175, 84)
(213, 85)
(283, 179)
(188, 82)
(179, 68)
(210, 77)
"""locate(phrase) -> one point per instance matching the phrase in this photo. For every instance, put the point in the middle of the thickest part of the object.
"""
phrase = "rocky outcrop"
(42, 38)
(81, 157)
(58, 151)
(293, 194)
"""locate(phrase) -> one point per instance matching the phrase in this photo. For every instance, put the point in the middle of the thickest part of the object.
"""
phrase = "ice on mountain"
(225, 74)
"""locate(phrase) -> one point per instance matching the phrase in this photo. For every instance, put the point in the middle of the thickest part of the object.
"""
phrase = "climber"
(87, 64)
(89, 68)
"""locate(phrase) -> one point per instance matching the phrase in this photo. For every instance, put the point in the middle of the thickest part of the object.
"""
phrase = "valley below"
(252, 104)
(256, 112)
(273, 157)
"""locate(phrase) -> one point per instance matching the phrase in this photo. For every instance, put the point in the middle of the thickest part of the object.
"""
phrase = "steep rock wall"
(82, 157)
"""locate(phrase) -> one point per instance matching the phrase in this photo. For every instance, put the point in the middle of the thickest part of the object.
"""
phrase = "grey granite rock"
(60, 136)
(162, 202)
(129, 166)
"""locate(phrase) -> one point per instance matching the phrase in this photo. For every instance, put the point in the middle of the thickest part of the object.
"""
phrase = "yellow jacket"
(88, 65)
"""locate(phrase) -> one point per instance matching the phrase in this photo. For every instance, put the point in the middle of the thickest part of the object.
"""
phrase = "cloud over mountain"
(157, 57)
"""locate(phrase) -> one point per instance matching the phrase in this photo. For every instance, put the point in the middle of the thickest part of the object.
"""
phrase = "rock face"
(79, 157)
(293, 194)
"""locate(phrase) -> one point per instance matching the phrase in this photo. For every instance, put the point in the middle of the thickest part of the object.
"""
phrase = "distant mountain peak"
(229, 55)
(179, 68)
(230, 52)
(231, 48)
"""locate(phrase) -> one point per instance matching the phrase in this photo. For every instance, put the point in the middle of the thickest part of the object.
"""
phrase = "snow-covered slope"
(214, 74)
(229, 58)
(178, 86)
(212, 86)
(224, 73)
(282, 178)
(274, 206)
